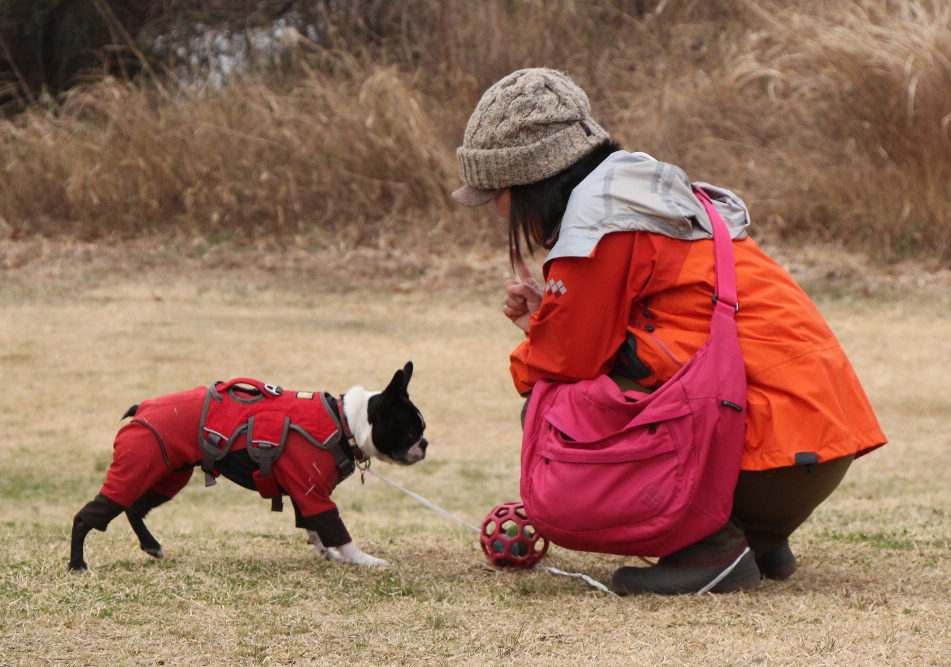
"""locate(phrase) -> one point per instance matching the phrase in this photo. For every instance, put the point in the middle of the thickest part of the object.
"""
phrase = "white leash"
(723, 574)
(596, 584)
(425, 502)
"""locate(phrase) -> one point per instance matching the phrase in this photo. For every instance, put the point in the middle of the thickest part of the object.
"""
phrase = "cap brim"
(470, 196)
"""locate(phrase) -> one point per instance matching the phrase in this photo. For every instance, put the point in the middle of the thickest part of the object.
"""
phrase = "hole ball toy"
(508, 538)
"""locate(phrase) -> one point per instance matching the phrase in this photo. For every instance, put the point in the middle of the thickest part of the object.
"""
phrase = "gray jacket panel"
(634, 192)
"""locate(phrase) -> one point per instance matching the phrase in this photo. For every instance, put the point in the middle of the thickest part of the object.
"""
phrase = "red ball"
(509, 539)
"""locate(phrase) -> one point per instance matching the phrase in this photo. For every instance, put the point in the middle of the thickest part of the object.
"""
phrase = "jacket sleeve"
(584, 314)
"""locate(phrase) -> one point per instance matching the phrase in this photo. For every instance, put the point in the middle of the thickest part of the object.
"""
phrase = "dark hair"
(537, 208)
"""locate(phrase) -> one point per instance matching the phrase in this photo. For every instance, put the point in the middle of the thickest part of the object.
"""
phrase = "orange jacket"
(804, 396)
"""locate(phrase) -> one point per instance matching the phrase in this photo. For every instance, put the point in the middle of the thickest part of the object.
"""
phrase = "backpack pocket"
(613, 484)
(644, 437)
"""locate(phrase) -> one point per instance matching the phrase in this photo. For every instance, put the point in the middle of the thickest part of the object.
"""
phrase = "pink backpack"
(642, 474)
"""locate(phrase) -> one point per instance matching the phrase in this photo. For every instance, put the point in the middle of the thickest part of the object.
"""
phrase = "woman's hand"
(523, 296)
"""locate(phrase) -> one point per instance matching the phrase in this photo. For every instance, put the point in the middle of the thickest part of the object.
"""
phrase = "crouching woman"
(626, 292)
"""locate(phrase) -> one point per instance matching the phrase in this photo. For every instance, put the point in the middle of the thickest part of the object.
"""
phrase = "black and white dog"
(278, 442)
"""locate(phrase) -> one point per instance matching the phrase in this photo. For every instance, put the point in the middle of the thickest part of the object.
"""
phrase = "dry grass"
(332, 151)
(832, 118)
(297, 228)
(84, 333)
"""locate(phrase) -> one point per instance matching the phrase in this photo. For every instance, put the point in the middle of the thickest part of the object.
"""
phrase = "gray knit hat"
(528, 126)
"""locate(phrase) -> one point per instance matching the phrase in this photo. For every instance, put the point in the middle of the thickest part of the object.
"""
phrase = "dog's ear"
(397, 388)
(407, 374)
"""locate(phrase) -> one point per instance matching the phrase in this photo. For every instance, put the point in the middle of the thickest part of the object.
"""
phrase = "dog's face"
(396, 425)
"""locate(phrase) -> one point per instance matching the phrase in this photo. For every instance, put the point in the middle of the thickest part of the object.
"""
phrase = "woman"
(627, 287)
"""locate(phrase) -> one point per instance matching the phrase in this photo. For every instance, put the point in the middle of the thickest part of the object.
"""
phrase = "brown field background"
(83, 335)
(295, 226)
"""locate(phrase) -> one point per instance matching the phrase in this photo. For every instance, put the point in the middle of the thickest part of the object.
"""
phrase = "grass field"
(86, 331)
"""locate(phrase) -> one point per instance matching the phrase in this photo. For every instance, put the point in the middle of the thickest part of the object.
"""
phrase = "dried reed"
(833, 120)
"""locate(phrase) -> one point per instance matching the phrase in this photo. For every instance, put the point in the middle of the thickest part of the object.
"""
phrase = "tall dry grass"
(340, 152)
(830, 118)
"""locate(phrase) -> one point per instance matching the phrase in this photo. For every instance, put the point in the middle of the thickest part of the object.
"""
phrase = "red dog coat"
(295, 438)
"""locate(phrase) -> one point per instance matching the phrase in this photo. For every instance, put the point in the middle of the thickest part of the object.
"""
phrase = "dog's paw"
(345, 553)
(351, 553)
(314, 539)
(369, 561)
(331, 554)
(326, 552)
(360, 558)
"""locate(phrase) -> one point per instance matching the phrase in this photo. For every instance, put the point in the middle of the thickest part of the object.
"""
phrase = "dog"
(262, 437)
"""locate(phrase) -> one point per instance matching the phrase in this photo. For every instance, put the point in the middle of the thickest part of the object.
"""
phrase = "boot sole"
(668, 581)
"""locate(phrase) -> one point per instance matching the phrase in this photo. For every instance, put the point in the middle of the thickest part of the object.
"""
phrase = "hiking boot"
(666, 578)
(779, 563)
(720, 563)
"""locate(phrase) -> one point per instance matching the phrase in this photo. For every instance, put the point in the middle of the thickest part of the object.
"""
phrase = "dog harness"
(265, 414)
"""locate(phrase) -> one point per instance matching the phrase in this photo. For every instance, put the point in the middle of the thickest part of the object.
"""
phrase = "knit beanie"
(528, 126)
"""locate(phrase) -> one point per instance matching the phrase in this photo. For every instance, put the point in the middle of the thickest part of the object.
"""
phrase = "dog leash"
(552, 570)
(717, 579)
(425, 502)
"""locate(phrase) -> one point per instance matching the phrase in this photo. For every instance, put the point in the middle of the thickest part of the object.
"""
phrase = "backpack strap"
(338, 444)
(211, 443)
(215, 446)
(267, 437)
(723, 257)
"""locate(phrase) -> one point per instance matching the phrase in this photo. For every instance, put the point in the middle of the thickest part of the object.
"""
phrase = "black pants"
(770, 504)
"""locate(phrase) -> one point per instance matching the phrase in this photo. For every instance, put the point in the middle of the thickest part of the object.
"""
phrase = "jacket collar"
(635, 192)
